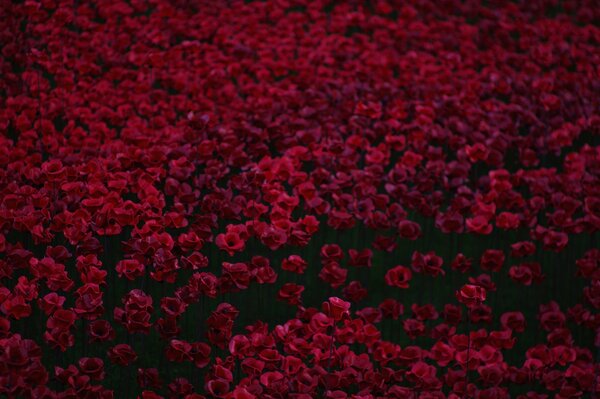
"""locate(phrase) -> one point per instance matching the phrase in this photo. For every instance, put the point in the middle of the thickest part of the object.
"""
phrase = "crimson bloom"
(471, 295)
(398, 276)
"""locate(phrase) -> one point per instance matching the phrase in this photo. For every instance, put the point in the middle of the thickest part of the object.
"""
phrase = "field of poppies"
(300, 199)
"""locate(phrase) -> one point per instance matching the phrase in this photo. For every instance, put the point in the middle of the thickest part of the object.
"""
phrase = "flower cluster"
(299, 199)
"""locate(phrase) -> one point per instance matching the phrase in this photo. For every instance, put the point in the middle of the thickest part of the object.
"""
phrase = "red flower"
(507, 221)
(355, 291)
(149, 378)
(452, 314)
(130, 268)
(333, 274)
(172, 306)
(336, 308)
(425, 312)
(291, 293)
(522, 249)
(471, 295)
(230, 242)
(89, 301)
(479, 224)
(450, 222)
(200, 354)
(526, 273)
(265, 275)
(492, 260)
(100, 331)
(15, 306)
(92, 367)
(122, 354)
(398, 276)
(62, 319)
(331, 252)
(391, 308)
(442, 353)
(236, 275)
(485, 281)
(413, 328)
(273, 237)
(178, 351)
(428, 263)
(295, 264)
(218, 387)
(51, 302)
(423, 376)
(409, 230)
(362, 258)
(461, 263)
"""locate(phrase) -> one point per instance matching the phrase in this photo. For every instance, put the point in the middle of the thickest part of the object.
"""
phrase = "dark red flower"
(471, 295)
(409, 230)
(479, 224)
(92, 367)
(362, 258)
(442, 353)
(413, 328)
(122, 354)
(526, 273)
(295, 264)
(331, 252)
(333, 274)
(178, 351)
(291, 293)
(492, 260)
(428, 263)
(100, 331)
(355, 291)
(391, 308)
(398, 276)
(336, 308)
(522, 248)
(130, 268)
(230, 242)
(461, 263)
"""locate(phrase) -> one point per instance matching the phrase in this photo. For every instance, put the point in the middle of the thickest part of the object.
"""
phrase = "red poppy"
(294, 263)
(398, 276)
(291, 293)
(122, 354)
(471, 295)
(492, 260)
(230, 242)
(336, 308)
(428, 263)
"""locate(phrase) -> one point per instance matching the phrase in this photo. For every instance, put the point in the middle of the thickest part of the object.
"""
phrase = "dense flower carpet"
(300, 199)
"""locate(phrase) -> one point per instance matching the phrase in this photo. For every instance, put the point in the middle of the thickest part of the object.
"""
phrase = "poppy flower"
(122, 354)
(291, 293)
(362, 258)
(230, 242)
(295, 264)
(398, 276)
(492, 260)
(471, 295)
(336, 308)
(409, 230)
(391, 308)
(428, 263)
(479, 224)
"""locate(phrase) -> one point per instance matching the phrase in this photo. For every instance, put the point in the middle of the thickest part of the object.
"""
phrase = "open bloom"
(471, 295)
(398, 276)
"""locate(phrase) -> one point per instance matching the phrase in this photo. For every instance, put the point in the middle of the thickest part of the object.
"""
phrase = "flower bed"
(299, 199)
